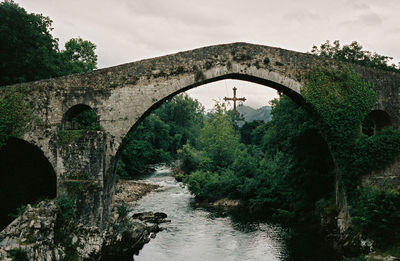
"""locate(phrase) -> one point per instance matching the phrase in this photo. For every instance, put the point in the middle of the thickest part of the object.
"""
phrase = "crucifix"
(234, 99)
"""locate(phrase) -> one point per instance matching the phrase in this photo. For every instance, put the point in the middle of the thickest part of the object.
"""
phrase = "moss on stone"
(69, 136)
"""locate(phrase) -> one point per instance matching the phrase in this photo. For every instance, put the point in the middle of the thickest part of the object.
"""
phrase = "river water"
(195, 233)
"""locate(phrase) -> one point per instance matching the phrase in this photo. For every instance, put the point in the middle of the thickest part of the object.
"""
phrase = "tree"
(78, 56)
(28, 51)
(219, 139)
(354, 53)
(185, 116)
(148, 144)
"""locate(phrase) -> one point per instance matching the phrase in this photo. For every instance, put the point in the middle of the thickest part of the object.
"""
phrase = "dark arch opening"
(375, 121)
(26, 176)
(80, 116)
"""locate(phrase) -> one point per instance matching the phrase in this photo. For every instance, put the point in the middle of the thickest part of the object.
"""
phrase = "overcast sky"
(131, 30)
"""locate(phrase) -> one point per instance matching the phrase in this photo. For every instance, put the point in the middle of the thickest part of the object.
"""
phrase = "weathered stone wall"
(81, 168)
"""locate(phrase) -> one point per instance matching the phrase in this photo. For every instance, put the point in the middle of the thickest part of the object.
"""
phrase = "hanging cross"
(234, 99)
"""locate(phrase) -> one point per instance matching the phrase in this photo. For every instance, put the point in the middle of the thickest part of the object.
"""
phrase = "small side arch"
(80, 116)
(375, 121)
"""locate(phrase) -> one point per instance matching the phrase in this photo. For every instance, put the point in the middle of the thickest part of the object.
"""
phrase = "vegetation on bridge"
(354, 53)
(343, 100)
(15, 115)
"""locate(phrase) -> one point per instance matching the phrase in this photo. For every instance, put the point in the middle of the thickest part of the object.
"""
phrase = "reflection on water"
(200, 234)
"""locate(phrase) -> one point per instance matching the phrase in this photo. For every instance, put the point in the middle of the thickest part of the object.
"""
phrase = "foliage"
(147, 145)
(247, 132)
(69, 136)
(19, 211)
(79, 56)
(393, 250)
(218, 139)
(377, 151)
(355, 54)
(122, 210)
(185, 116)
(18, 254)
(160, 135)
(343, 100)
(66, 207)
(86, 120)
(15, 115)
(212, 185)
(377, 215)
(71, 253)
(280, 174)
(189, 157)
(29, 52)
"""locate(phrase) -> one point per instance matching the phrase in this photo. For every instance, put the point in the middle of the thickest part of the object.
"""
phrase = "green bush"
(377, 215)
(122, 210)
(86, 120)
(69, 136)
(18, 254)
(213, 185)
(66, 207)
(189, 158)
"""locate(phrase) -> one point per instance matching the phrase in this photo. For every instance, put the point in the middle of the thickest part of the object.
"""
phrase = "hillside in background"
(250, 114)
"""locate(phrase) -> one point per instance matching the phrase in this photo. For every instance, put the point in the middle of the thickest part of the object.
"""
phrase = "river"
(196, 233)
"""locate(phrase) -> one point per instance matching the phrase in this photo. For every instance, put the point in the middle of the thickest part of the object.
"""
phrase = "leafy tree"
(28, 51)
(78, 56)
(185, 116)
(86, 120)
(219, 139)
(377, 215)
(147, 145)
(354, 53)
(246, 131)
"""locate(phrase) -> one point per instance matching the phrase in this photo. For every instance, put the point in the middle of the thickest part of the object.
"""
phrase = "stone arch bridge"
(123, 95)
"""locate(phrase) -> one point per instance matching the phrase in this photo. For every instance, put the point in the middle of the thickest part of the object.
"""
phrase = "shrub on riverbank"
(377, 215)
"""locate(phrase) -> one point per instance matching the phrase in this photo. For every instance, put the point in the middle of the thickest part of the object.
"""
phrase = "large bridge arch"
(26, 176)
(264, 77)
